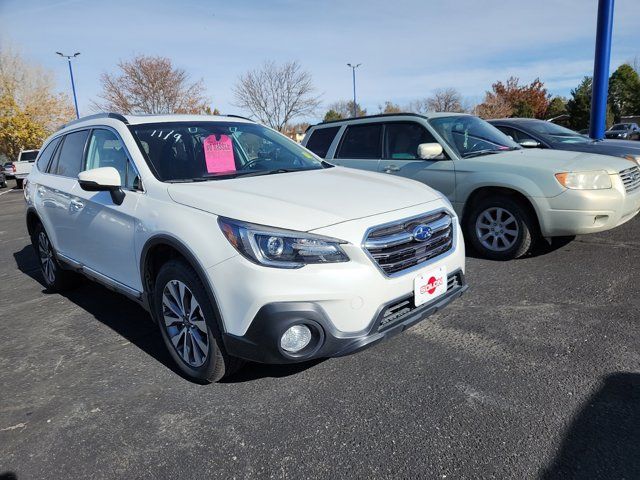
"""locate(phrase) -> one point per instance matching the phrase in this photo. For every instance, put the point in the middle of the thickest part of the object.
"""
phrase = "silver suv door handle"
(76, 206)
(391, 168)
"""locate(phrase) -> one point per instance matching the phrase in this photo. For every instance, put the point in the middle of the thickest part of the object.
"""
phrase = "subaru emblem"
(422, 233)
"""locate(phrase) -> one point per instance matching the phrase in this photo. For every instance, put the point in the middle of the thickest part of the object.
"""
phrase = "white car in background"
(506, 196)
(241, 243)
(22, 167)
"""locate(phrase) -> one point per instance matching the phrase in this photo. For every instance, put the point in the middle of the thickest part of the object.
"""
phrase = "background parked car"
(3, 178)
(9, 169)
(506, 196)
(23, 166)
(626, 131)
(532, 133)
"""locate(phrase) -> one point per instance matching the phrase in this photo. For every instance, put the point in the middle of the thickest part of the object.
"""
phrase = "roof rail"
(365, 117)
(236, 116)
(115, 116)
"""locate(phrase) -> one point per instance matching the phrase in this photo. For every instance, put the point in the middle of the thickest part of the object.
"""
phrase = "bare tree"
(151, 85)
(445, 100)
(277, 94)
(419, 105)
(344, 109)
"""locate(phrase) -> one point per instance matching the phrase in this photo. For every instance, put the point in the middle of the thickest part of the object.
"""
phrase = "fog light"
(295, 338)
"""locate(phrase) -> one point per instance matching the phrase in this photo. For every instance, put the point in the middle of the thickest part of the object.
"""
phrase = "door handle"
(391, 168)
(76, 206)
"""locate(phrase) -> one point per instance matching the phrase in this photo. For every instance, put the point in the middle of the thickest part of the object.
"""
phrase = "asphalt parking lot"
(534, 373)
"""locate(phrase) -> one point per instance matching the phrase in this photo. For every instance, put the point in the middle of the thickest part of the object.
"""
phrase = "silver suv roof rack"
(115, 116)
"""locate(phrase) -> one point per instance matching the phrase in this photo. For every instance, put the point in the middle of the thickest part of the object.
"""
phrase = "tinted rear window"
(320, 140)
(47, 153)
(361, 141)
(28, 156)
(71, 154)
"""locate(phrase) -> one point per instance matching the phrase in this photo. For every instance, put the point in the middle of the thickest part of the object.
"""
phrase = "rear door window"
(321, 139)
(362, 141)
(70, 156)
(46, 155)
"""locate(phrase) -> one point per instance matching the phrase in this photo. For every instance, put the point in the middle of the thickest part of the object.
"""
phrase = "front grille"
(394, 248)
(631, 179)
(396, 312)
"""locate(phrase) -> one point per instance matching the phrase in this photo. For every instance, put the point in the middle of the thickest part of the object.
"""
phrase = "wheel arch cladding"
(156, 252)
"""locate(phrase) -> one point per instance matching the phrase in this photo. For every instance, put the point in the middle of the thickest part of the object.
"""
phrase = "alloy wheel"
(46, 258)
(497, 229)
(184, 323)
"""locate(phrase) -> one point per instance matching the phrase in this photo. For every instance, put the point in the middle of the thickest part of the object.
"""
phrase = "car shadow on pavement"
(255, 371)
(117, 312)
(603, 440)
(132, 322)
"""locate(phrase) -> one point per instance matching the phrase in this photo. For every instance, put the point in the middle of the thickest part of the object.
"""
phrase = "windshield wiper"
(477, 153)
(187, 180)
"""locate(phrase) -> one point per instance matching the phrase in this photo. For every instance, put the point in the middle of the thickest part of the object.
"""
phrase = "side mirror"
(429, 151)
(104, 179)
(529, 143)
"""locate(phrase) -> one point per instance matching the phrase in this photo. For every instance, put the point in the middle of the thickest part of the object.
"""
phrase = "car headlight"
(275, 247)
(633, 158)
(597, 180)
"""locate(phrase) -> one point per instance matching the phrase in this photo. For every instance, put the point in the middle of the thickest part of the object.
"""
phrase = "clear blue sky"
(408, 48)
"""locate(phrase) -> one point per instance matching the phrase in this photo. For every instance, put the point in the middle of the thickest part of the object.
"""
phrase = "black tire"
(519, 244)
(19, 182)
(55, 278)
(218, 363)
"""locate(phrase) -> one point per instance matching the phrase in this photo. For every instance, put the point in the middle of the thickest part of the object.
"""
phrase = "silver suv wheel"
(46, 258)
(184, 323)
(497, 229)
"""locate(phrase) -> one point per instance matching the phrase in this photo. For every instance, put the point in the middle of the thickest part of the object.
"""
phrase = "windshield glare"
(470, 136)
(198, 151)
(557, 133)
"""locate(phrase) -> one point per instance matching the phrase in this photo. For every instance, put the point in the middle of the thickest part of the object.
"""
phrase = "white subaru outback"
(239, 242)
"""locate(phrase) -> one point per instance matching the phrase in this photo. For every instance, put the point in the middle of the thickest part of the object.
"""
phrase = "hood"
(617, 148)
(304, 200)
(560, 160)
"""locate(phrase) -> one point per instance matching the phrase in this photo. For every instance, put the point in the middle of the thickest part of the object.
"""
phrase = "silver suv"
(506, 196)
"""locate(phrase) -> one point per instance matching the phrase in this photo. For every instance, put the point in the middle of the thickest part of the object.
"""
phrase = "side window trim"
(58, 141)
(56, 155)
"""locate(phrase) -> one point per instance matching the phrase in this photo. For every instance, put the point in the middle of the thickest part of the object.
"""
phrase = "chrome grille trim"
(393, 249)
(630, 178)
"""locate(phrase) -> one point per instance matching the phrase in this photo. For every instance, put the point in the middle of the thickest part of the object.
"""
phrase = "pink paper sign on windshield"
(218, 153)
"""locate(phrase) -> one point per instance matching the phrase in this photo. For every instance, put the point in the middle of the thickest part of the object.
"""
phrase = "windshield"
(200, 151)
(621, 126)
(557, 133)
(471, 136)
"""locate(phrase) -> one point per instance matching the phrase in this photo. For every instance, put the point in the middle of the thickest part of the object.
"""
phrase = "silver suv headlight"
(596, 180)
(275, 247)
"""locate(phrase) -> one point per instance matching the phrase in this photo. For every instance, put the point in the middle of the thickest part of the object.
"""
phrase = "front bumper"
(577, 212)
(261, 343)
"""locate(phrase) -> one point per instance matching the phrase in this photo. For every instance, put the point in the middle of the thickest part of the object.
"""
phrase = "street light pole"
(73, 85)
(353, 70)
